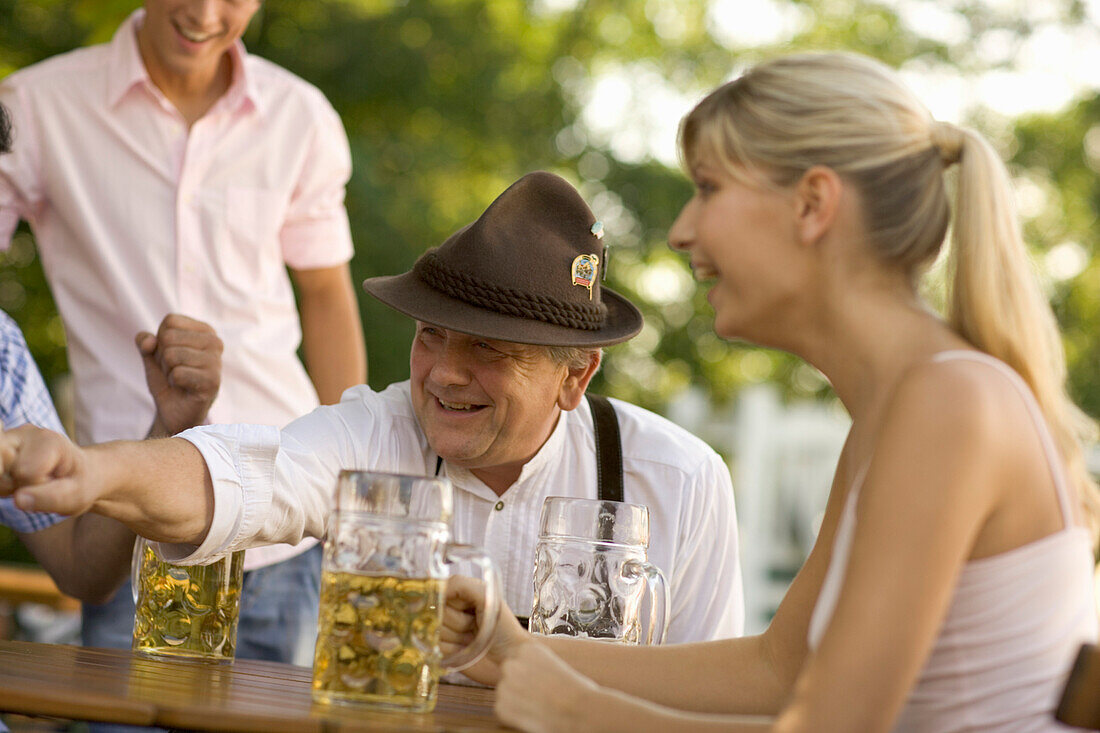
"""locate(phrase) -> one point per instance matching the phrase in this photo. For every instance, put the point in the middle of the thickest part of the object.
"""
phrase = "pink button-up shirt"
(136, 216)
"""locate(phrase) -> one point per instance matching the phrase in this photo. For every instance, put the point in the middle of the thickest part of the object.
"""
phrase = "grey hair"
(574, 357)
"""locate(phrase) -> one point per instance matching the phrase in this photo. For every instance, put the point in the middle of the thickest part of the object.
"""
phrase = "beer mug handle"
(491, 578)
(140, 543)
(657, 589)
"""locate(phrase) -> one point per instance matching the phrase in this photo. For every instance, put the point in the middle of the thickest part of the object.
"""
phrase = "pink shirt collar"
(126, 70)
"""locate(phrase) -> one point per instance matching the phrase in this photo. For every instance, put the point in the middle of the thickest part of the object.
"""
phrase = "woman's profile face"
(743, 241)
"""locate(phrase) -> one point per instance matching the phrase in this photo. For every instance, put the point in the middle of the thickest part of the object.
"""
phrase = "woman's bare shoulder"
(961, 395)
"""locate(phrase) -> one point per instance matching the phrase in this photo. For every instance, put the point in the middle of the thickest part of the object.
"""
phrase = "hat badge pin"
(585, 267)
(584, 271)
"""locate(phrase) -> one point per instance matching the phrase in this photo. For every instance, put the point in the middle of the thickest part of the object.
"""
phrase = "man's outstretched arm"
(160, 489)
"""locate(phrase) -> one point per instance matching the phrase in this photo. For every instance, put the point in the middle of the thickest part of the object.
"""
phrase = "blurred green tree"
(1061, 154)
(447, 101)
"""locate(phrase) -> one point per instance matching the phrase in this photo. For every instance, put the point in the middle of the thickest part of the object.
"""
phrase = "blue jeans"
(279, 606)
(278, 616)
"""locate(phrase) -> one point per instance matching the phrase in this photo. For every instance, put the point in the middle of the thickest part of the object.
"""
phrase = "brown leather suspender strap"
(609, 449)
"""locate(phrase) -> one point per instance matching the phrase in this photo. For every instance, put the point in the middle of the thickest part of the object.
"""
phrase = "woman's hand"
(462, 618)
(539, 693)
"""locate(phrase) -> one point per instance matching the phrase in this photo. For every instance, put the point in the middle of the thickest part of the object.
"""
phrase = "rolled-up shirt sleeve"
(273, 486)
(316, 232)
(241, 460)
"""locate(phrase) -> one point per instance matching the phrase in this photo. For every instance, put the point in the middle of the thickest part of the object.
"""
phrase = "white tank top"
(1015, 621)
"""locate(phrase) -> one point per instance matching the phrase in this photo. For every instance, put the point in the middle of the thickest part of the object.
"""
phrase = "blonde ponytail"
(852, 114)
(996, 304)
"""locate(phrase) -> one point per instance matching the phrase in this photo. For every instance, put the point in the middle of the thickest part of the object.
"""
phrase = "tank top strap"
(1057, 470)
(857, 482)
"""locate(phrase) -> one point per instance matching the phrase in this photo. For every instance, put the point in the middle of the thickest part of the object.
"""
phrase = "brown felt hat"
(529, 270)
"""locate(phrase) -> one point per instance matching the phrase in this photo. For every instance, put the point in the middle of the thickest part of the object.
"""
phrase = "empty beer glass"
(592, 577)
(387, 558)
(186, 611)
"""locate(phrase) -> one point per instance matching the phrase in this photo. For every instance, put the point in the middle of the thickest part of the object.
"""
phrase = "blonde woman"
(950, 585)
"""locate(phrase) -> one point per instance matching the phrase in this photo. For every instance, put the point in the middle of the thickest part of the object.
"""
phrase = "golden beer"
(187, 611)
(378, 640)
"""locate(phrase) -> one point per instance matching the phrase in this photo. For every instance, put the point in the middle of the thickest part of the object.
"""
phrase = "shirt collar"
(242, 88)
(127, 70)
(549, 454)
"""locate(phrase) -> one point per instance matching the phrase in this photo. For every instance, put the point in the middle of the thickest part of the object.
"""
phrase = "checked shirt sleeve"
(23, 399)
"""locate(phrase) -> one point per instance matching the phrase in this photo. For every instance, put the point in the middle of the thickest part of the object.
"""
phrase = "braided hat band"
(510, 301)
(528, 270)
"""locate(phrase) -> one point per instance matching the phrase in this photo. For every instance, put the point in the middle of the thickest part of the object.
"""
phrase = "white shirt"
(277, 486)
(136, 217)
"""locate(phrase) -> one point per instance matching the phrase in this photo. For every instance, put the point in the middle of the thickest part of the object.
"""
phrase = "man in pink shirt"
(169, 171)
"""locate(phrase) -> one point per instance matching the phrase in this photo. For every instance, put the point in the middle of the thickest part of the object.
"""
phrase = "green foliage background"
(448, 101)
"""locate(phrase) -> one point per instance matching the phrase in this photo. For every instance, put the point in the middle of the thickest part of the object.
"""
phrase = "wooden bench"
(21, 584)
(1080, 704)
(27, 584)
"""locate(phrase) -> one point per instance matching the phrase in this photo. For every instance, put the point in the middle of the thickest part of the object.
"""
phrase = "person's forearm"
(727, 676)
(158, 429)
(102, 549)
(87, 556)
(332, 342)
(161, 489)
(614, 711)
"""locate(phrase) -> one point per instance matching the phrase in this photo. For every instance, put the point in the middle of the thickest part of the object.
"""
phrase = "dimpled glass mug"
(592, 575)
(186, 611)
(383, 581)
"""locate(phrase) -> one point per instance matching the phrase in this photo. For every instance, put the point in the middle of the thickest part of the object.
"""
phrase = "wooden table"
(117, 686)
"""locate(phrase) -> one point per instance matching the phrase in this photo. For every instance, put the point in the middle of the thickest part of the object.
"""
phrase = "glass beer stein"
(186, 611)
(592, 578)
(387, 558)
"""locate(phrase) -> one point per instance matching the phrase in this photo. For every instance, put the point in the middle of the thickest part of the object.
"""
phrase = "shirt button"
(498, 506)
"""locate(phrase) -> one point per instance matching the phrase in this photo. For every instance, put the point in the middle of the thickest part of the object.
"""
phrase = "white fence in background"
(782, 459)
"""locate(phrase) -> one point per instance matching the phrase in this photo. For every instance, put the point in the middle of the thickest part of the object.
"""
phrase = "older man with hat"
(511, 316)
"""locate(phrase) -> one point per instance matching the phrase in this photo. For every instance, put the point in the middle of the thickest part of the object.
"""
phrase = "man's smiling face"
(189, 37)
(483, 404)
